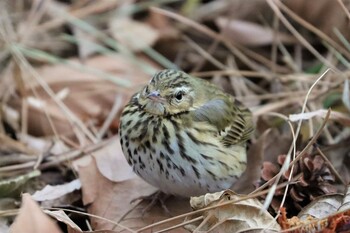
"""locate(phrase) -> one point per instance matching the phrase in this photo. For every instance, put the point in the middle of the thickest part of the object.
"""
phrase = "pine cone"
(315, 180)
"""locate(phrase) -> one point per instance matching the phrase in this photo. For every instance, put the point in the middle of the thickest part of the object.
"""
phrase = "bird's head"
(168, 93)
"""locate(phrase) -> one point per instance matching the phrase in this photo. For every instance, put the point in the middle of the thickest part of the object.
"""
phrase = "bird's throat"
(155, 108)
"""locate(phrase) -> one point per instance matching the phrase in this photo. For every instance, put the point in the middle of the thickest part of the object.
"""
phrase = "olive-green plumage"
(184, 135)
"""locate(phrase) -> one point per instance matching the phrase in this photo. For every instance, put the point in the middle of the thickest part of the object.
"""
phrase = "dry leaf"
(87, 43)
(9, 115)
(31, 219)
(52, 192)
(328, 213)
(323, 14)
(251, 34)
(132, 34)
(326, 206)
(111, 200)
(338, 116)
(236, 217)
(4, 227)
(110, 161)
(322, 207)
(345, 205)
(61, 216)
(8, 146)
(89, 92)
(44, 145)
(163, 25)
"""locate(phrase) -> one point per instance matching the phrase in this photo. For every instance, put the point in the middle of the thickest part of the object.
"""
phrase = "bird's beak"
(155, 96)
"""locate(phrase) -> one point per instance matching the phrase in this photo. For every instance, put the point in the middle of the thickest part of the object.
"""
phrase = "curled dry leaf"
(52, 192)
(251, 34)
(132, 34)
(322, 207)
(61, 216)
(337, 116)
(31, 219)
(235, 217)
(325, 214)
(346, 201)
(326, 205)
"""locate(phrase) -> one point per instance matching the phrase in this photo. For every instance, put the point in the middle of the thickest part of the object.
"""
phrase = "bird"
(184, 135)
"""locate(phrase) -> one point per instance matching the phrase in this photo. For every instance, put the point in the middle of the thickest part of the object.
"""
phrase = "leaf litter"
(67, 69)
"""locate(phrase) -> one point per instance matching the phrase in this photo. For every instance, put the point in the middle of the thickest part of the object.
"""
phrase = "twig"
(112, 114)
(311, 142)
(181, 224)
(330, 165)
(212, 34)
(97, 7)
(204, 53)
(313, 29)
(73, 119)
(275, 8)
(93, 216)
(344, 8)
(257, 194)
(297, 133)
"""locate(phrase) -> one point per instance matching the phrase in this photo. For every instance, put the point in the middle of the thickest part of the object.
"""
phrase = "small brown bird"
(184, 135)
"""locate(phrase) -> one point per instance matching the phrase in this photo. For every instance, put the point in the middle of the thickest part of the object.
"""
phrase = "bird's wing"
(242, 126)
(229, 116)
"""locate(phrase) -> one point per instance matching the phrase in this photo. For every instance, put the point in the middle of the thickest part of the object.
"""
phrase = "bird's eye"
(179, 95)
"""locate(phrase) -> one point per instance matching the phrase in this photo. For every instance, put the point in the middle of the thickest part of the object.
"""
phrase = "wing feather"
(229, 116)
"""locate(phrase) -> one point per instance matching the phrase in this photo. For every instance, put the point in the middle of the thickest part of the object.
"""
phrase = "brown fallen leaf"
(111, 200)
(236, 217)
(88, 92)
(327, 213)
(31, 219)
(111, 162)
(133, 34)
(322, 206)
(251, 34)
(324, 15)
(61, 216)
(9, 145)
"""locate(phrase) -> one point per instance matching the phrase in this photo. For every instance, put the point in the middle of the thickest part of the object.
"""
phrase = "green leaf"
(13, 186)
(315, 69)
(331, 99)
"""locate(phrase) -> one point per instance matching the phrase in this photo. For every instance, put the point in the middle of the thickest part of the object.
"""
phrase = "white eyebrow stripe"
(184, 89)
